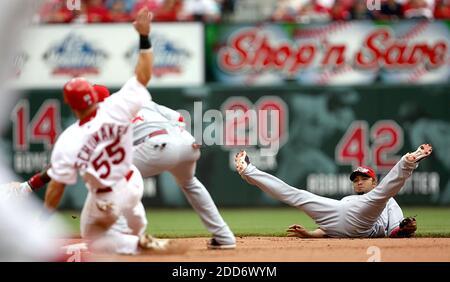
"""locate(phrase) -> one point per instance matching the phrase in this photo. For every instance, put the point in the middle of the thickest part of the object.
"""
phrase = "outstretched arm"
(144, 64)
(297, 230)
(53, 195)
(36, 182)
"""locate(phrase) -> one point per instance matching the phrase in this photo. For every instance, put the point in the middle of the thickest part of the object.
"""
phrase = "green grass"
(432, 222)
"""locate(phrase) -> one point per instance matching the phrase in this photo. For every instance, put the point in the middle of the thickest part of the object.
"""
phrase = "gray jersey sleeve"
(168, 113)
(395, 215)
(152, 117)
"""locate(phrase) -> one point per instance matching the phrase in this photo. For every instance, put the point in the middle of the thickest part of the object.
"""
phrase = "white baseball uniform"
(161, 144)
(100, 148)
(374, 214)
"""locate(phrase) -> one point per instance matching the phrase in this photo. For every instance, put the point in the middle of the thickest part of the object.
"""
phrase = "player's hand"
(408, 227)
(142, 22)
(297, 230)
(25, 188)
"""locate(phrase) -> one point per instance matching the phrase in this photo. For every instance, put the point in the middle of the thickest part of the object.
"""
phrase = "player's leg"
(95, 222)
(119, 239)
(120, 227)
(131, 205)
(134, 213)
(105, 231)
(102, 212)
(136, 219)
(397, 176)
(324, 211)
(201, 201)
(372, 204)
(115, 242)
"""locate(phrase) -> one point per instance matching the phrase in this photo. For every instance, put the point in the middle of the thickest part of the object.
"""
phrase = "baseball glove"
(407, 227)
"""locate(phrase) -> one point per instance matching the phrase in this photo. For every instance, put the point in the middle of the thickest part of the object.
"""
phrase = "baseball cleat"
(241, 161)
(148, 242)
(421, 153)
(214, 245)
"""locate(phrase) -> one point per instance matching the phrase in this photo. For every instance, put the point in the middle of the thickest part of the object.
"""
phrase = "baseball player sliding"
(99, 147)
(371, 213)
(162, 144)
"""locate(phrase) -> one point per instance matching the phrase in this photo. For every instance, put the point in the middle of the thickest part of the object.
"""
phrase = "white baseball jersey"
(100, 148)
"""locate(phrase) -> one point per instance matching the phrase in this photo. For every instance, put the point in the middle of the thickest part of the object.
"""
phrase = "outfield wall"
(323, 133)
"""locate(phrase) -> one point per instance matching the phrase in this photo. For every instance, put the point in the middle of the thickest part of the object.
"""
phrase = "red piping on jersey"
(87, 118)
(136, 119)
(128, 175)
(109, 189)
(157, 132)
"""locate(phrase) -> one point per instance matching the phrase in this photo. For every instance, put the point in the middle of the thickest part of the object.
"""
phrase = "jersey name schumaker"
(108, 132)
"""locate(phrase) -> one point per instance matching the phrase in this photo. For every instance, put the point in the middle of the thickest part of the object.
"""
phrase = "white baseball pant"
(105, 228)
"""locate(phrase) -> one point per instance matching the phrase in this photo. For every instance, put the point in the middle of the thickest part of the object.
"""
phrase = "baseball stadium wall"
(323, 133)
(336, 96)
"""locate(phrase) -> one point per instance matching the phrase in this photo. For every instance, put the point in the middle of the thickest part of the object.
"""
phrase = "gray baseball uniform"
(374, 214)
(161, 144)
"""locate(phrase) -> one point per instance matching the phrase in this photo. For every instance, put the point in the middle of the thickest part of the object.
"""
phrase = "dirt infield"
(285, 249)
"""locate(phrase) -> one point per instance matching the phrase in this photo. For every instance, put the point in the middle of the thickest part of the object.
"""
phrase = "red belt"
(157, 132)
(109, 189)
(150, 135)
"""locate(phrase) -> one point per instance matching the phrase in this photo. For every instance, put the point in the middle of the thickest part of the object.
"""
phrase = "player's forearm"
(144, 66)
(399, 233)
(318, 233)
(53, 195)
(299, 231)
(394, 233)
(39, 180)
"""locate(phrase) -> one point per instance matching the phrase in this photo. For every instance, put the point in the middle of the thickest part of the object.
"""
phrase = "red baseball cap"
(79, 94)
(102, 92)
(363, 170)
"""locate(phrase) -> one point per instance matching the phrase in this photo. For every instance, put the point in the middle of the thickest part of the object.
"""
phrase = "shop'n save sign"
(322, 53)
